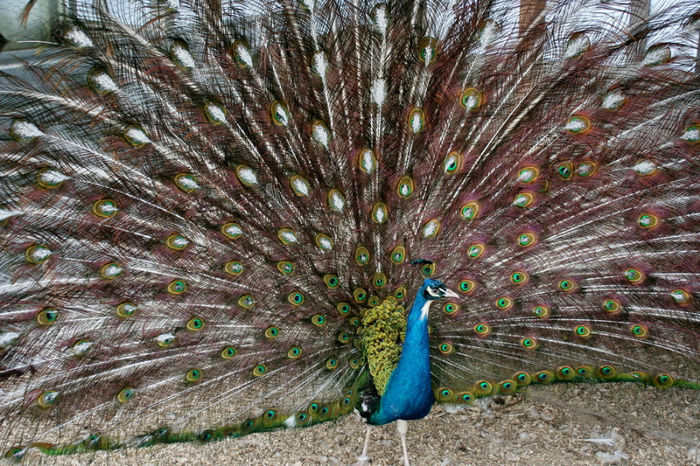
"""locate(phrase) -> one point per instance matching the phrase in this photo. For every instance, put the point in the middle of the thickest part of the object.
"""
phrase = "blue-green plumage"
(408, 394)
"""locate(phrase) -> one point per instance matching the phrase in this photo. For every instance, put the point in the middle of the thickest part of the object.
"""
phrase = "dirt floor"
(572, 425)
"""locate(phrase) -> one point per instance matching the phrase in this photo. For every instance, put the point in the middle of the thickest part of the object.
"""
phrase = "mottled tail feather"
(203, 206)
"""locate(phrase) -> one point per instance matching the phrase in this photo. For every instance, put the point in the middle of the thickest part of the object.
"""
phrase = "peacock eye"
(452, 163)
(47, 316)
(195, 324)
(228, 352)
(361, 255)
(379, 280)
(324, 242)
(193, 375)
(367, 161)
(528, 174)
(416, 120)
(541, 311)
(294, 352)
(331, 280)
(470, 210)
(279, 113)
(471, 99)
(405, 187)
(427, 50)
(319, 320)
(398, 254)
(526, 239)
(343, 308)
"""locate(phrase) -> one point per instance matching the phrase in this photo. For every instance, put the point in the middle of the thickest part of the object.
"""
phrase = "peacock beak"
(450, 294)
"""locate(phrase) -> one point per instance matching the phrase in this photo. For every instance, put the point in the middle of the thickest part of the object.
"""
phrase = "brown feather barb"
(199, 203)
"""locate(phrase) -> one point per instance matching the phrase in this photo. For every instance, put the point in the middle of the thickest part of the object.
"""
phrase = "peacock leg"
(364, 458)
(402, 427)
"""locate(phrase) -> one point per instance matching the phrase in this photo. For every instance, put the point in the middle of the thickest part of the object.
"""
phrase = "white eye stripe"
(435, 293)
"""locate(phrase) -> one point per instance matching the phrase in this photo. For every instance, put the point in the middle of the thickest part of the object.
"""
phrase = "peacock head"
(435, 289)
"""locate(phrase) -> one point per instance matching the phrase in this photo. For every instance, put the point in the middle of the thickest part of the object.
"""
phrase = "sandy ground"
(572, 425)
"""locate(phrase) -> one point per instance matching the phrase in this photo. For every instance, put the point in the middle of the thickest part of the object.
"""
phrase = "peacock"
(220, 218)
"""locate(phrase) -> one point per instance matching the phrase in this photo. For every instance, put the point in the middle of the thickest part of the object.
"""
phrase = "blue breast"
(408, 394)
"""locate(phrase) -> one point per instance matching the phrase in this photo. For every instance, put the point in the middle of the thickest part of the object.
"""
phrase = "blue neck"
(408, 394)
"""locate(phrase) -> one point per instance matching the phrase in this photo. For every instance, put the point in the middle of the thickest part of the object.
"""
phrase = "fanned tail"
(211, 215)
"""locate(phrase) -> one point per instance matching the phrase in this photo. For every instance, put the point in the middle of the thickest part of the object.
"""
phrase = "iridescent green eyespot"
(398, 254)
(450, 308)
(47, 316)
(526, 239)
(193, 375)
(612, 306)
(470, 210)
(446, 348)
(634, 276)
(294, 352)
(467, 286)
(361, 255)
(405, 187)
(272, 332)
(567, 285)
(319, 320)
(639, 331)
(105, 208)
(331, 364)
(47, 398)
(295, 298)
(195, 324)
(177, 287)
(379, 280)
(331, 280)
(583, 331)
(606, 372)
(476, 250)
(565, 170)
(528, 343)
(444, 394)
(519, 277)
(359, 294)
(565, 373)
(228, 352)
(234, 268)
(482, 329)
(246, 301)
(452, 163)
(523, 378)
(663, 380)
(647, 221)
(285, 267)
(125, 394)
(507, 387)
(504, 303)
(544, 377)
(483, 388)
(343, 308)
(471, 99)
(541, 311)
